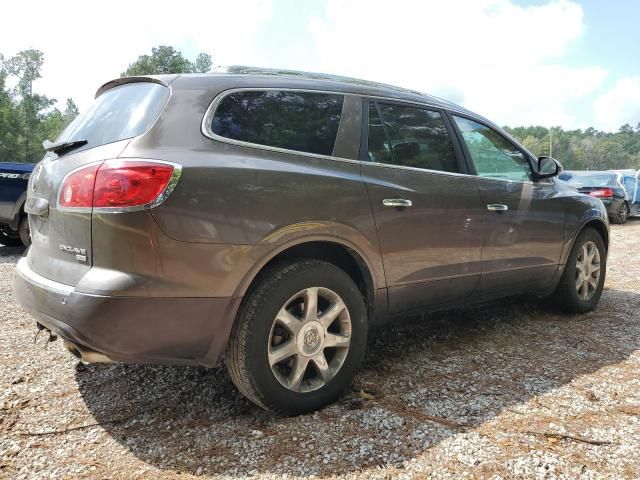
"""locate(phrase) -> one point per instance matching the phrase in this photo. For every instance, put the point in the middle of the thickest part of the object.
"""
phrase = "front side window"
(416, 137)
(301, 121)
(492, 154)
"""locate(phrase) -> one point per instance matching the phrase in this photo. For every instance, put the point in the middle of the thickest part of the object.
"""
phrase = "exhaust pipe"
(85, 354)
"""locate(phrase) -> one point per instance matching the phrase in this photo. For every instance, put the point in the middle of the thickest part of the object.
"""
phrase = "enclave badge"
(80, 253)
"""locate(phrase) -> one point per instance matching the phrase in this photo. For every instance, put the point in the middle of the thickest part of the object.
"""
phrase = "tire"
(24, 232)
(8, 237)
(271, 384)
(570, 294)
(623, 214)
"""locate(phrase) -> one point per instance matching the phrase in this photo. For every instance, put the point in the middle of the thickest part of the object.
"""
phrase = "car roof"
(358, 85)
(242, 76)
(282, 78)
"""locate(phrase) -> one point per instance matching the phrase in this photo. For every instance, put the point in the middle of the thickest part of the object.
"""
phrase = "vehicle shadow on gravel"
(423, 380)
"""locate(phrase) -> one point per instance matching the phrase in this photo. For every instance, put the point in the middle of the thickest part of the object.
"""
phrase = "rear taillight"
(77, 188)
(602, 193)
(117, 185)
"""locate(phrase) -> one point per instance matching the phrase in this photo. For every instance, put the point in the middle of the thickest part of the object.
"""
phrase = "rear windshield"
(300, 121)
(121, 112)
(595, 180)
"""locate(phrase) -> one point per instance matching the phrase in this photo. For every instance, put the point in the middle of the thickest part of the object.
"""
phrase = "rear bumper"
(157, 330)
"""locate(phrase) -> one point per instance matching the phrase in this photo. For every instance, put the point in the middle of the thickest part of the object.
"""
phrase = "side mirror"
(548, 167)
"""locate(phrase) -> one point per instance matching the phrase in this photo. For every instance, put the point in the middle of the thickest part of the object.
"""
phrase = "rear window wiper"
(62, 147)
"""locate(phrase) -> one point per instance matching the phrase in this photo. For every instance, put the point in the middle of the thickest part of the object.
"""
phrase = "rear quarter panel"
(580, 209)
(257, 200)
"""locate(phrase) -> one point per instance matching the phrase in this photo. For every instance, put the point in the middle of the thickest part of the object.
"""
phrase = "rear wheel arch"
(334, 252)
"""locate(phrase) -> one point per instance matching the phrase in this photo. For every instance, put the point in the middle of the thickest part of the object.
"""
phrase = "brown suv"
(269, 218)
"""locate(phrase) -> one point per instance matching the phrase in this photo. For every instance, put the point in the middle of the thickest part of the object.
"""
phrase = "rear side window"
(415, 137)
(119, 113)
(301, 121)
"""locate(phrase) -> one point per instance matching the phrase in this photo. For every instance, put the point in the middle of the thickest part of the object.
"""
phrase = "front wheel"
(299, 337)
(582, 282)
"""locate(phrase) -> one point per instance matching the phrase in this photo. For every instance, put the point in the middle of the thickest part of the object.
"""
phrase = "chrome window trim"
(206, 130)
(205, 127)
(168, 190)
(28, 275)
(416, 169)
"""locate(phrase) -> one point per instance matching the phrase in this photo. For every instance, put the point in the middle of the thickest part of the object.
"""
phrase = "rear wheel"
(9, 237)
(299, 337)
(623, 214)
(24, 232)
(582, 282)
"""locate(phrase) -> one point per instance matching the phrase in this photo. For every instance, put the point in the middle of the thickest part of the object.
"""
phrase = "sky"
(572, 64)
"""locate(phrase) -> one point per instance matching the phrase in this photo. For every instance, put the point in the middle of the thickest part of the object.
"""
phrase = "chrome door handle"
(496, 207)
(396, 202)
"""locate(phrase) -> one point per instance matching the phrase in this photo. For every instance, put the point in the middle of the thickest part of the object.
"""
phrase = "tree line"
(28, 118)
(588, 149)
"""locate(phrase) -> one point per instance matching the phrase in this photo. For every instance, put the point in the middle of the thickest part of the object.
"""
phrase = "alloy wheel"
(624, 212)
(587, 270)
(309, 339)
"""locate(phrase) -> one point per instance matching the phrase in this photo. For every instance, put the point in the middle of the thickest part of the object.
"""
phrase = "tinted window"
(492, 154)
(121, 112)
(301, 121)
(418, 138)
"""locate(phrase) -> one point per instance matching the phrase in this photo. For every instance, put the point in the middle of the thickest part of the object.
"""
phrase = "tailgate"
(61, 240)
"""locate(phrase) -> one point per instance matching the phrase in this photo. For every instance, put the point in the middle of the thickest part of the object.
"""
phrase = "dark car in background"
(605, 185)
(630, 179)
(268, 219)
(14, 224)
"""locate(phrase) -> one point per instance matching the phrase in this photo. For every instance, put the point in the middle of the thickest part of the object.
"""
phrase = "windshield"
(122, 112)
(594, 180)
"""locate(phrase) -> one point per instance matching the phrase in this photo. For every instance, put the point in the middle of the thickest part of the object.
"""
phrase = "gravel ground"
(507, 390)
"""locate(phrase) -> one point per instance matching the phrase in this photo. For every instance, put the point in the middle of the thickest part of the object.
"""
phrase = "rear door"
(523, 219)
(61, 238)
(427, 211)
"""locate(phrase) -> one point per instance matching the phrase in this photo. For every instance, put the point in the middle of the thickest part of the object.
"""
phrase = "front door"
(427, 211)
(523, 219)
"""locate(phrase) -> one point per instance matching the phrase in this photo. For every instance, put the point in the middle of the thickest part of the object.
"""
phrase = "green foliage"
(27, 118)
(587, 149)
(165, 59)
